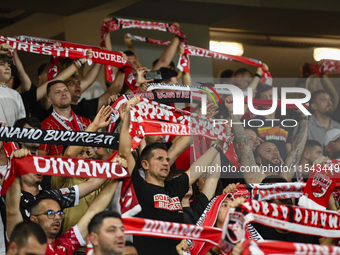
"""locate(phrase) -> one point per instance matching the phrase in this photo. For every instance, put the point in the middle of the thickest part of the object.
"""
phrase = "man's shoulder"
(6, 91)
(180, 179)
(49, 121)
(85, 101)
(335, 124)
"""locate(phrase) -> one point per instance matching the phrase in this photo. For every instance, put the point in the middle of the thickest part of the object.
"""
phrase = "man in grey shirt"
(320, 122)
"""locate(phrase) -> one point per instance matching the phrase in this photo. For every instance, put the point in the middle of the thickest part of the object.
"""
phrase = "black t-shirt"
(269, 233)
(159, 203)
(67, 197)
(229, 174)
(86, 108)
(32, 106)
(192, 213)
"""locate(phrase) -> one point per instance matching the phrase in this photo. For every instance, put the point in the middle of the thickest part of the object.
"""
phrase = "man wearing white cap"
(332, 142)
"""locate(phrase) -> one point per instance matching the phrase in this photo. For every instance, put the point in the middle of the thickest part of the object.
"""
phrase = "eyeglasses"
(51, 214)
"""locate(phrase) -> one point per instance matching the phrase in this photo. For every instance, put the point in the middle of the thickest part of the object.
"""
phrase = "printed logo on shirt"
(273, 133)
(61, 248)
(320, 184)
(162, 201)
(64, 191)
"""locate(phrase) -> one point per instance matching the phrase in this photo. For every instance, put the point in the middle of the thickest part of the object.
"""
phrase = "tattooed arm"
(295, 153)
(241, 142)
(245, 153)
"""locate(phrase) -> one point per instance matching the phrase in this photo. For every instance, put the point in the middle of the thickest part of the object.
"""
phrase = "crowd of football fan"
(55, 215)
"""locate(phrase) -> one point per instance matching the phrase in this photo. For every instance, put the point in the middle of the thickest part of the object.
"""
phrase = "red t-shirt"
(67, 243)
(51, 123)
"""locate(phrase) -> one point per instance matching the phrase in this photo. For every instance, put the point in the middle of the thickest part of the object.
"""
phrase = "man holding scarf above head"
(63, 118)
(159, 199)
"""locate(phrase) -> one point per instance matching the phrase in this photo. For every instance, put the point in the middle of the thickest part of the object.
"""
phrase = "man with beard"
(320, 122)
(266, 155)
(269, 127)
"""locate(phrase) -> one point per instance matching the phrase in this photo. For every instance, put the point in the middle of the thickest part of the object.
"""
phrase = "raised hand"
(121, 161)
(211, 110)
(102, 118)
(230, 188)
(20, 153)
(140, 75)
(113, 98)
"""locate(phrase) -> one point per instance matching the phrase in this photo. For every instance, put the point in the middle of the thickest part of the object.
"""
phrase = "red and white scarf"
(184, 64)
(147, 113)
(166, 97)
(118, 23)
(66, 50)
(291, 218)
(282, 248)
(270, 191)
(77, 125)
(97, 53)
(152, 118)
(208, 218)
(201, 52)
(62, 166)
(196, 91)
(100, 56)
(148, 227)
(326, 66)
(183, 59)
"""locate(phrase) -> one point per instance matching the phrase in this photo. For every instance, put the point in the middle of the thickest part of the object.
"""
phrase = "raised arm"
(205, 160)
(255, 81)
(245, 153)
(114, 89)
(178, 147)
(100, 121)
(211, 180)
(125, 140)
(168, 54)
(13, 194)
(329, 87)
(65, 74)
(128, 43)
(295, 153)
(89, 186)
(100, 202)
(13, 214)
(186, 78)
(25, 80)
(90, 76)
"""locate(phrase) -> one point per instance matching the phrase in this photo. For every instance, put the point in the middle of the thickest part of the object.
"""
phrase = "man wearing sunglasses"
(46, 211)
